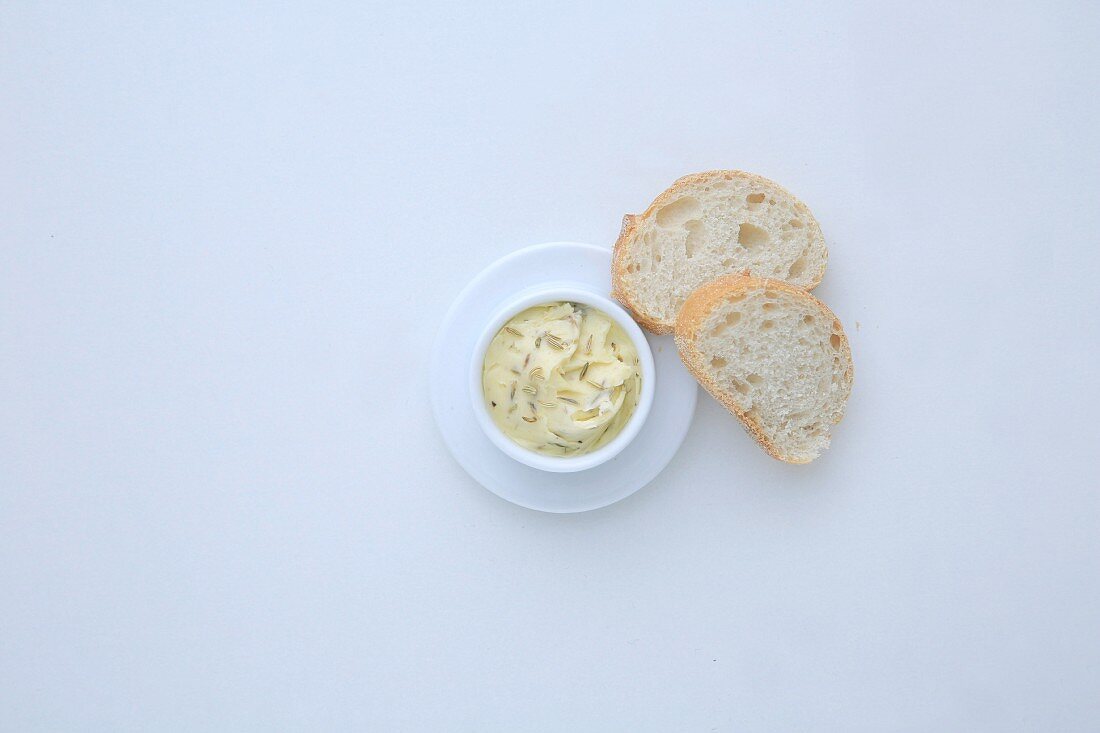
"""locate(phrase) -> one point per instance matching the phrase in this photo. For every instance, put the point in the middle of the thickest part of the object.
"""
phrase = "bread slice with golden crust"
(774, 355)
(707, 225)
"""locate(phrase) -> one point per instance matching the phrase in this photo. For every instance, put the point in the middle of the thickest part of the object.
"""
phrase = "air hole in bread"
(796, 223)
(694, 237)
(754, 379)
(741, 386)
(769, 306)
(750, 236)
(773, 294)
(766, 325)
(797, 268)
(731, 319)
(679, 211)
(736, 297)
(771, 202)
(755, 198)
(807, 319)
(718, 362)
(834, 340)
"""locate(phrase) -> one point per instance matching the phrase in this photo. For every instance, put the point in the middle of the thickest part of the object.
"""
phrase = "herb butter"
(561, 379)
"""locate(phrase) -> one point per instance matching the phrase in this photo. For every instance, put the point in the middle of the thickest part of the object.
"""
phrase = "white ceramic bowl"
(553, 293)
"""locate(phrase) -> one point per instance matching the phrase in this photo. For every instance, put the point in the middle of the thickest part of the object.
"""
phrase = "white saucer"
(587, 266)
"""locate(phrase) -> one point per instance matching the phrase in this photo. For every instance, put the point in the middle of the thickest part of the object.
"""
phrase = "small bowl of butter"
(562, 378)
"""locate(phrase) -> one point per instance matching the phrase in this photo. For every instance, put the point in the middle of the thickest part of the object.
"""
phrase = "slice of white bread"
(711, 224)
(774, 355)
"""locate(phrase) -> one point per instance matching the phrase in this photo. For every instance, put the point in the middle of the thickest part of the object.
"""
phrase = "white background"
(227, 235)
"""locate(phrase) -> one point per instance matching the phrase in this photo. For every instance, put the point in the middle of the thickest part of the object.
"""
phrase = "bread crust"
(695, 310)
(621, 291)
